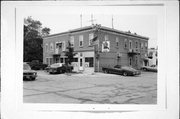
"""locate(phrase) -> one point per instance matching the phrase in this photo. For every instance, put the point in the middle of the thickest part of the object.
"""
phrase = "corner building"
(97, 46)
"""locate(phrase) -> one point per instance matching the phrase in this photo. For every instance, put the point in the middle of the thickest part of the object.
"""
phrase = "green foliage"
(69, 53)
(33, 33)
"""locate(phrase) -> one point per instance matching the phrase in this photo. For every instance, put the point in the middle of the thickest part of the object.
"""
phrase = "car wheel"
(124, 74)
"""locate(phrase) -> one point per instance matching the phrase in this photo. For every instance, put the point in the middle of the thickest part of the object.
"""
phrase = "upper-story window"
(117, 41)
(46, 47)
(142, 46)
(81, 41)
(72, 41)
(63, 46)
(136, 45)
(106, 37)
(146, 46)
(91, 36)
(130, 44)
(125, 43)
(51, 46)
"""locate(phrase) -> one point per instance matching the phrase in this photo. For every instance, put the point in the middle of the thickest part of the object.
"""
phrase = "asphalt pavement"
(95, 88)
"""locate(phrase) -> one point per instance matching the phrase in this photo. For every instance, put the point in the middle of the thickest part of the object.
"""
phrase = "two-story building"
(97, 46)
(153, 56)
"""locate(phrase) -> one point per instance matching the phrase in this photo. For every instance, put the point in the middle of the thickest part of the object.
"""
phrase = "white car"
(152, 68)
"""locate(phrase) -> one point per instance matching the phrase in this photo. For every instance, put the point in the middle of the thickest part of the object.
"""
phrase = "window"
(136, 45)
(46, 47)
(75, 59)
(51, 46)
(130, 61)
(47, 61)
(106, 37)
(146, 46)
(142, 46)
(136, 60)
(81, 41)
(117, 41)
(90, 60)
(51, 61)
(63, 46)
(125, 43)
(62, 61)
(72, 41)
(81, 62)
(91, 36)
(130, 44)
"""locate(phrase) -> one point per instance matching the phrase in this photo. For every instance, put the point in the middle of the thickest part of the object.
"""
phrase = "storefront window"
(90, 61)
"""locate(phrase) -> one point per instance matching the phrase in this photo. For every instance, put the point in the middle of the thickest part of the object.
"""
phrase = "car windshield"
(26, 67)
(128, 68)
(56, 65)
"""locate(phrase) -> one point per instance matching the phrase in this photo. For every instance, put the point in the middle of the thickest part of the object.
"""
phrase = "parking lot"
(97, 88)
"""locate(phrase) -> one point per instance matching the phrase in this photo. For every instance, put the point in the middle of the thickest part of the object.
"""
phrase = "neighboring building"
(112, 47)
(153, 56)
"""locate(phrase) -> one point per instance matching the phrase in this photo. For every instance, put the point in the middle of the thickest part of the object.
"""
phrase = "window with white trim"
(51, 46)
(146, 45)
(63, 46)
(81, 41)
(136, 45)
(106, 37)
(91, 36)
(46, 47)
(142, 46)
(72, 41)
(125, 43)
(130, 44)
(130, 61)
(117, 41)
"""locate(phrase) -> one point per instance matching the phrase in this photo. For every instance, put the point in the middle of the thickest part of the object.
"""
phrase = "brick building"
(97, 46)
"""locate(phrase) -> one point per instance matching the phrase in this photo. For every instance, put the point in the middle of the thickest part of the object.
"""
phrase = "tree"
(33, 33)
(69, 53)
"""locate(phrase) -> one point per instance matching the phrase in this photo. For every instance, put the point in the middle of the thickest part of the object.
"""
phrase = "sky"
(145, 25)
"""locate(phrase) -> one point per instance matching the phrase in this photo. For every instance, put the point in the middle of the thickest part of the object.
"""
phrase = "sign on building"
(106, 46)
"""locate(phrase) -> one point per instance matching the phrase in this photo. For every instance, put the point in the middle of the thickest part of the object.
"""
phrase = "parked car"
(36, 65)
(28, 74)
(59, 68)
(122, 70)
(152, 68)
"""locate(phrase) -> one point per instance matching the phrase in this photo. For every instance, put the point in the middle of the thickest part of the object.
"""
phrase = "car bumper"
(53, 71)
(136, 73)
(29, 76)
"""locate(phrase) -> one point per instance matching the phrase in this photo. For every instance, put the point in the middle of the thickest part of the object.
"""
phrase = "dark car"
(122, 70)
(152, 68)
(58, 68)
(28, 74)
(36, 65)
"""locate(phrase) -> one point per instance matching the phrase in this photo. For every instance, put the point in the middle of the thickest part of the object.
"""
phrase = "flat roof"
(128, 33)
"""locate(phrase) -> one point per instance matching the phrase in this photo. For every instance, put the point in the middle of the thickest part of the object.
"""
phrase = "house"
(153, 56)
(97, 46)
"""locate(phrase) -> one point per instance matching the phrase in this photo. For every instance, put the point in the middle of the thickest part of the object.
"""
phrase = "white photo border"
(20, 9)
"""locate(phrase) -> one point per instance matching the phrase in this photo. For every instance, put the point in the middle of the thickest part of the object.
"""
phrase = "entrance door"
(80, 63)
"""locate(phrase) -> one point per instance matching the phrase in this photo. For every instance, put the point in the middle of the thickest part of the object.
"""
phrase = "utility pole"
(112, 22)
(92, 20)
(81, 20)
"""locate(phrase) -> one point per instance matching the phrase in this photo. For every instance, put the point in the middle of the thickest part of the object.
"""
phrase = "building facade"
(96, 47)
(153, 56)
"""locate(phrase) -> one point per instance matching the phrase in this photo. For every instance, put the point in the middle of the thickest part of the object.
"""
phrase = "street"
(97, 88)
